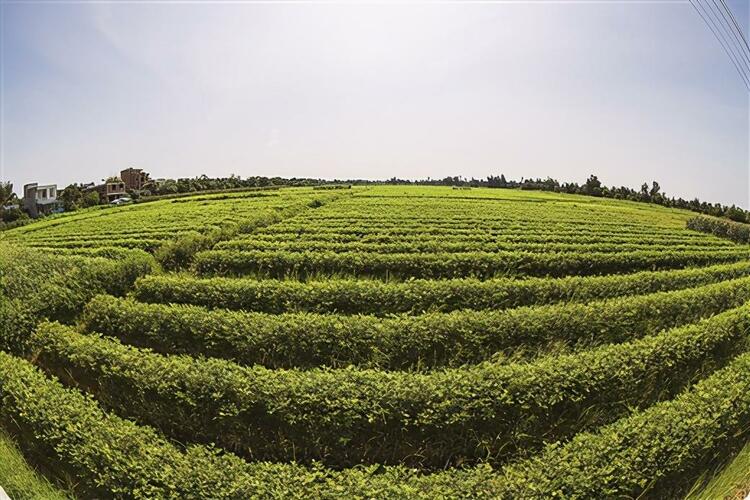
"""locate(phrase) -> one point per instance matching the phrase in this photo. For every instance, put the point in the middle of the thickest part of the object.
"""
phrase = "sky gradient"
(629, 91)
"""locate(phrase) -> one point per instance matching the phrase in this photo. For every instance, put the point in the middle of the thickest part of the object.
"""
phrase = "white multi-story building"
(38, 198)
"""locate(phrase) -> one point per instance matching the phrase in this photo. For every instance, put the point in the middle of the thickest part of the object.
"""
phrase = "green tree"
(72, 197)
(6, 193)
(91, 199)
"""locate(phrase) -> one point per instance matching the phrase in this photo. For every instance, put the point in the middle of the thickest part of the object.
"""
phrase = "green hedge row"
(685, 237)
(296, 226)
(657, 453)
(349, 416)
(180, 253)
(106, 252)
(652, 453)
(304, 340)
(148, 245)
(723, 228)
(449, 265)
(36, 285)
(346, 296)
(250, 244)
(105, 456)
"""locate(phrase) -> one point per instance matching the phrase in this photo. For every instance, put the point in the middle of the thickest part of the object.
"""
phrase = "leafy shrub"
(734, 231)
(36, 285)
(179, 253)
(655, 453)
(107, 456)
(402, 342)
(448, 265)
(348, 416)
(347, 296)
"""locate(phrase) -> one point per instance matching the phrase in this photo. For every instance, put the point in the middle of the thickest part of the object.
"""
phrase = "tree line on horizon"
(592, 187)
(75, 197)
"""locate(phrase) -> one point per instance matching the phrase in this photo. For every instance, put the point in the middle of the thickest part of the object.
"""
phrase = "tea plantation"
(374, 342)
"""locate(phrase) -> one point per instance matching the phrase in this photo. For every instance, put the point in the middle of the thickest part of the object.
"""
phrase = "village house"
(113, 189)
(134, 178)
(40, 199)
(131, 179)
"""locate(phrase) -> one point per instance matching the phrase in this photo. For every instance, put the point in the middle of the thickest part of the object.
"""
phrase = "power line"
(731, 29)
(719, 24)
(709, 22)
(736, 25)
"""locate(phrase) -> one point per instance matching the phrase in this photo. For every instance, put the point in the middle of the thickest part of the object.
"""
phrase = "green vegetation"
(34, 286)
(730, 482)
(173, 229)
(379, 342)
(437, 265)
(736, 231)
(653, 451)
(403, 342)
(20, 481)
(348, 296)
(347, 416)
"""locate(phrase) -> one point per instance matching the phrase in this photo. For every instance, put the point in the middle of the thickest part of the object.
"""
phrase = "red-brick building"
(134, 178)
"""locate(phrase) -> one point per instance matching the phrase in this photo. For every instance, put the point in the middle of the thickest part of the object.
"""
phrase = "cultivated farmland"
(375, 342)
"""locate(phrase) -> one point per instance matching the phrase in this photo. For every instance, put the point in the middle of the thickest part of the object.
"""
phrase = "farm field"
(375, 342)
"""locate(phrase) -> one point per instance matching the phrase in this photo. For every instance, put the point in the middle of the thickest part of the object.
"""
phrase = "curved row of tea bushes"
(346, 296)
(436, 246)
(292, 227)
(148, 245)
(106, 456)
(657, 453)
(654, 452)
(348, 416)
(36, 285)
(180, 252)
(304, 340)
(168, 229)
(527, 238)
(723, 228)
(301, 224)
(449, 265)
(106, 252)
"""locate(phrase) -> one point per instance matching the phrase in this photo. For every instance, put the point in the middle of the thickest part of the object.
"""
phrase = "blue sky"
(630, 91)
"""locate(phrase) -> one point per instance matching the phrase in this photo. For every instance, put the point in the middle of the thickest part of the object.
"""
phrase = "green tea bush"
(723, 228)
(180, 253)
(449, 265)
(430, 340)
(375, 297)
(653, 453)
(36, 285)
(348, 416)
(438, 245)
(105, 456)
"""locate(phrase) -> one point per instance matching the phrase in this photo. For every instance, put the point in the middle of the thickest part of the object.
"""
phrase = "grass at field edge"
(729, 482)
(18, 479)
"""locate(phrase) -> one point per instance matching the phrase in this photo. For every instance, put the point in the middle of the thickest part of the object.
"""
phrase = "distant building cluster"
(38, 199)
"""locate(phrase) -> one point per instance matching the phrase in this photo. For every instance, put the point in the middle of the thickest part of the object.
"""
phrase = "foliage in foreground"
(18, 480)
(651, 452)
(347, 416)
(730, 481)
(35, 285)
